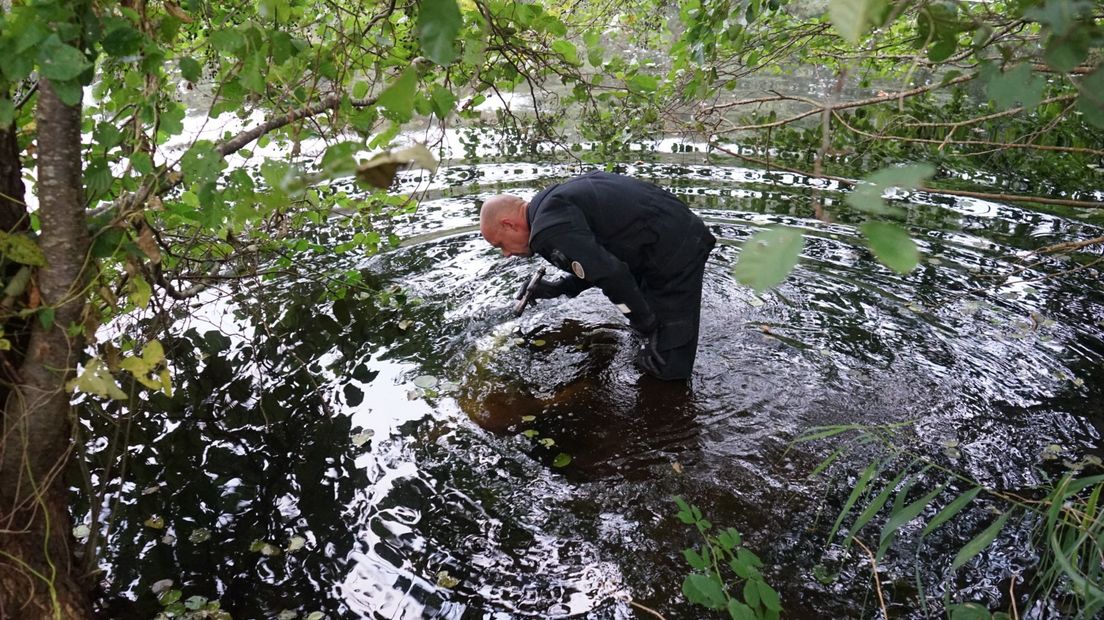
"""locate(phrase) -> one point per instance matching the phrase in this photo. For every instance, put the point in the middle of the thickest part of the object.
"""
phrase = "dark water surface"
(387, 434)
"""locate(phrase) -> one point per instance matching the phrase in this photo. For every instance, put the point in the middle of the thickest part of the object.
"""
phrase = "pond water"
(401, 449)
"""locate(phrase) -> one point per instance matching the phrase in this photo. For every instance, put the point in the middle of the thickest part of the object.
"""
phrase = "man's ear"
(508, 224)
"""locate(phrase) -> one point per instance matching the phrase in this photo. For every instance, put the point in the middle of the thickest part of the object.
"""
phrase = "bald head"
(503, 222)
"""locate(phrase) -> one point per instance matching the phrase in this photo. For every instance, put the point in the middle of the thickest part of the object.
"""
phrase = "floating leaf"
(539, 343)
(425, 381)
(447, 581)
(199, 535)
(169, 597)
(530, 433)
(315, 615)
(562, 459)
(547, 442)
(195, 603)
(161, 586)
(528, 418)
(362, 437)
(296, 543)
(768, 257)
(81, 531)
(155, 522)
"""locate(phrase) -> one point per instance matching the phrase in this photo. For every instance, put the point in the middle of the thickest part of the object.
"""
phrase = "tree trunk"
(36, 563)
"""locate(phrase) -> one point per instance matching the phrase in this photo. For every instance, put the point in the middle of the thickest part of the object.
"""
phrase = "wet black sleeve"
(567, 244)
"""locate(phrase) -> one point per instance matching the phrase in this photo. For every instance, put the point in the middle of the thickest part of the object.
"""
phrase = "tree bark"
(36, 563)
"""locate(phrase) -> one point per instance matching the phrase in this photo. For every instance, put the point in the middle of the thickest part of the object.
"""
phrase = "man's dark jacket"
(637, 242)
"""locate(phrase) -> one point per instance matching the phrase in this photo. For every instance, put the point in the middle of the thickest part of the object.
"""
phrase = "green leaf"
(567, 50)
(190, 69)
(851, 18)
(398, 98)
(443, 101)
(96, 379)
(867, 194)
(46, 317)
(1063, 54)
(21, 249)
(60, 62)
(1020, 85)
(1060, 15)
(7, 112)
(562, 459)
(892, 246)
(122, 40)
(338, 160)
(969, 611)
(769, 597)
(768, 257)
(1093, 113)
(202, 163)
(875, 506)
(856, 491)
(703, 590)
(942, 49)
(751, 593)
(438, 23)
(900, 518)
(643, 83)
(739, 611)
(980, 542)
(694, 559)
(68, 91)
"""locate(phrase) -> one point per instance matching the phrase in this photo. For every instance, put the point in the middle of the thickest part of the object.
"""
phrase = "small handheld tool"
(526, 291)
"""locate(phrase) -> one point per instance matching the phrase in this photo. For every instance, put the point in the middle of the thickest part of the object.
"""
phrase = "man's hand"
(547, 290)
(644, 325)
(648, 357)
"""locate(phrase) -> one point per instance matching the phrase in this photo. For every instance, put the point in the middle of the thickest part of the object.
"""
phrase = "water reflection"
(411, 438)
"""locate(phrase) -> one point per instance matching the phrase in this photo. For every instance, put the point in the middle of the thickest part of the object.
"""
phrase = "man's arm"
(577, 251)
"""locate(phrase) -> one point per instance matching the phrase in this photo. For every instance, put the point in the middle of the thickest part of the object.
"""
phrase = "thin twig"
(1081, 204)
(877, 582)
(625, 597)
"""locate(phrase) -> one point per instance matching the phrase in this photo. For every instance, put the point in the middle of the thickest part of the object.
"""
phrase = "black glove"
(648, 358)
(547, 289)
(644, 325)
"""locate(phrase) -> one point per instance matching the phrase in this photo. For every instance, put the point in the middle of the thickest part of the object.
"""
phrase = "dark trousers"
(676, 301)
